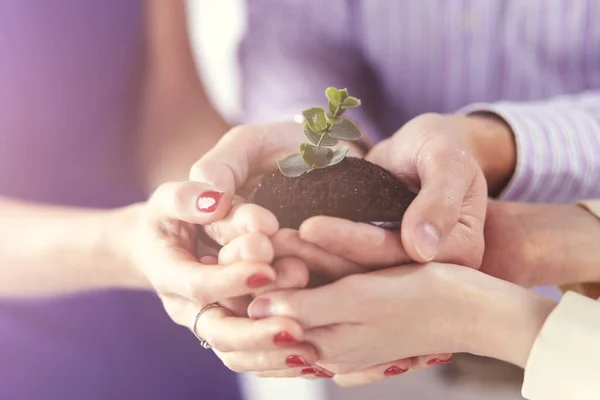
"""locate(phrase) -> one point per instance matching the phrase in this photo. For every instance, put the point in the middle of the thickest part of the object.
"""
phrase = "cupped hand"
(431, 155)
(368, 321)
(157, 243)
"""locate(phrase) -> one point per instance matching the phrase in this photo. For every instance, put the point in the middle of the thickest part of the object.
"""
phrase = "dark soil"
(354, 189)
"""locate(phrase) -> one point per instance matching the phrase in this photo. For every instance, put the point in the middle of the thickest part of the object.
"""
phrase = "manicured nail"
(258, 280)
(437, 361)
(296, 361)
(260, 308)
(427, 241)
(394, 370)
(324, 374)
(309, 371)
(209, 201)
(283, 338)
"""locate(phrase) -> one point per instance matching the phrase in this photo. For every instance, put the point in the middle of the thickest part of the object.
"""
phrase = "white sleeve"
(564, 363)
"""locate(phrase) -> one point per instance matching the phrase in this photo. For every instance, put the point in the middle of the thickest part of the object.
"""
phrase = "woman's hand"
(373, 319)
(156, 242)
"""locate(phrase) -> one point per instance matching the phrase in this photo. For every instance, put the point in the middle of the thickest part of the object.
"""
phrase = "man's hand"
(431, 155)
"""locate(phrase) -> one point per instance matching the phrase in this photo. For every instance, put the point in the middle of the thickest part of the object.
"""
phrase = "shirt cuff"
(563, 363)
(556, 151)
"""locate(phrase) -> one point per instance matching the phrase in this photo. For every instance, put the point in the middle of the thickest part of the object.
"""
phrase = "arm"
(45, 249)
(555, 144)
(177, 122)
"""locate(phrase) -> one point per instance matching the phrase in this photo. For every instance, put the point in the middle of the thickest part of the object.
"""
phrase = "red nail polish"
(283, 338)
(208, 201)
(296, 361)
(309, 371)
(437, 361)
(323, 374)
(394, 370)
(258, 280)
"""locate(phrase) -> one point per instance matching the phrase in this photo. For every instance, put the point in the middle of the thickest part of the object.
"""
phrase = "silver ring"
(204, 309)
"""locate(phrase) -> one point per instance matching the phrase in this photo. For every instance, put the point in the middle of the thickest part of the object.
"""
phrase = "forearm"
(555, 143)
(177, 123)
(51, 250)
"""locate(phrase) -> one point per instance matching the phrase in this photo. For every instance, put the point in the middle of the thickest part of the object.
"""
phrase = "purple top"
(405, 58)
(68, 69)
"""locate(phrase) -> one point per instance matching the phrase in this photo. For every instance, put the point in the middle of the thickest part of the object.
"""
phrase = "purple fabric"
(534, 62)
(68, 73)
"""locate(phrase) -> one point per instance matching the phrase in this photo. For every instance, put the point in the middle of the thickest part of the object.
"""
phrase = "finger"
(242, 219)
(363, 244)
(299, 356)
(246, 151)
(193, 202)
(422, 362)
(374, 374)
(237, 305)
(292, 273)
(310, 307)
(287, 242)
(311, 372)
(227, 333)
(177, 272)
(251, 246)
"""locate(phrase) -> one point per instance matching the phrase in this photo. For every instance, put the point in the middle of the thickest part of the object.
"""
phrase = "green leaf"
(343, 94)
(316, 157)
(315, 118)
(333, 109)
(351, 102)
(333, 96)
(314, 137)
(293, 166)
(345, 129)
(339, 155)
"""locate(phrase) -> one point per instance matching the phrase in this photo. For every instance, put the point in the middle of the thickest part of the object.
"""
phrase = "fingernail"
(323, 374)
(283, 338)
(209, 201)
(427, 241)
(258, 280)
(309, 371)
(394, 370)
(296, 361)
(437, 361)
(260, 308)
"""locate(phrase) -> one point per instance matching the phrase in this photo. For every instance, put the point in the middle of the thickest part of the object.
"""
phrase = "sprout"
(324, 130)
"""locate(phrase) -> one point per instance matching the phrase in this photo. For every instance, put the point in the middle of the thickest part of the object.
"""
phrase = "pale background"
(215, 28)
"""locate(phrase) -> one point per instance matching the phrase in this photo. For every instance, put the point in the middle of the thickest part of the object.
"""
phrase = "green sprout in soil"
(324, 130)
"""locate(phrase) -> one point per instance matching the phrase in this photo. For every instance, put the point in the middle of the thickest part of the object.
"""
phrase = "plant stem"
(326, 131)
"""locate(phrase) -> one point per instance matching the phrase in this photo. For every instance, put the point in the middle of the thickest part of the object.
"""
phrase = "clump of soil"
(354, 189)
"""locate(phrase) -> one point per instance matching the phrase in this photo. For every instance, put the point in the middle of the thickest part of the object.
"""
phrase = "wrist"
(492, 144)
(117, 244)
(508, 320)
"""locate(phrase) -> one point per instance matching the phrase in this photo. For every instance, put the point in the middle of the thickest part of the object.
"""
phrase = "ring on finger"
(203, 341)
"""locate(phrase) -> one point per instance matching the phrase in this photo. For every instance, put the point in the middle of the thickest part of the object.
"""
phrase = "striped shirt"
(536, 63)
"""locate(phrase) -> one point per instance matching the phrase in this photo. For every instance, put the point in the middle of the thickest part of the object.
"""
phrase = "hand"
(431, 155)
(371, 319)
(156, 242)
(541, 244)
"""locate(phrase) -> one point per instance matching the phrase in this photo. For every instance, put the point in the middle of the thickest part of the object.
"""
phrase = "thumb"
(193, 202)
(307, 306)
(446, 177)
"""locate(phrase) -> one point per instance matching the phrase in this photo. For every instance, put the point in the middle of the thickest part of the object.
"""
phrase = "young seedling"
(324, 130)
